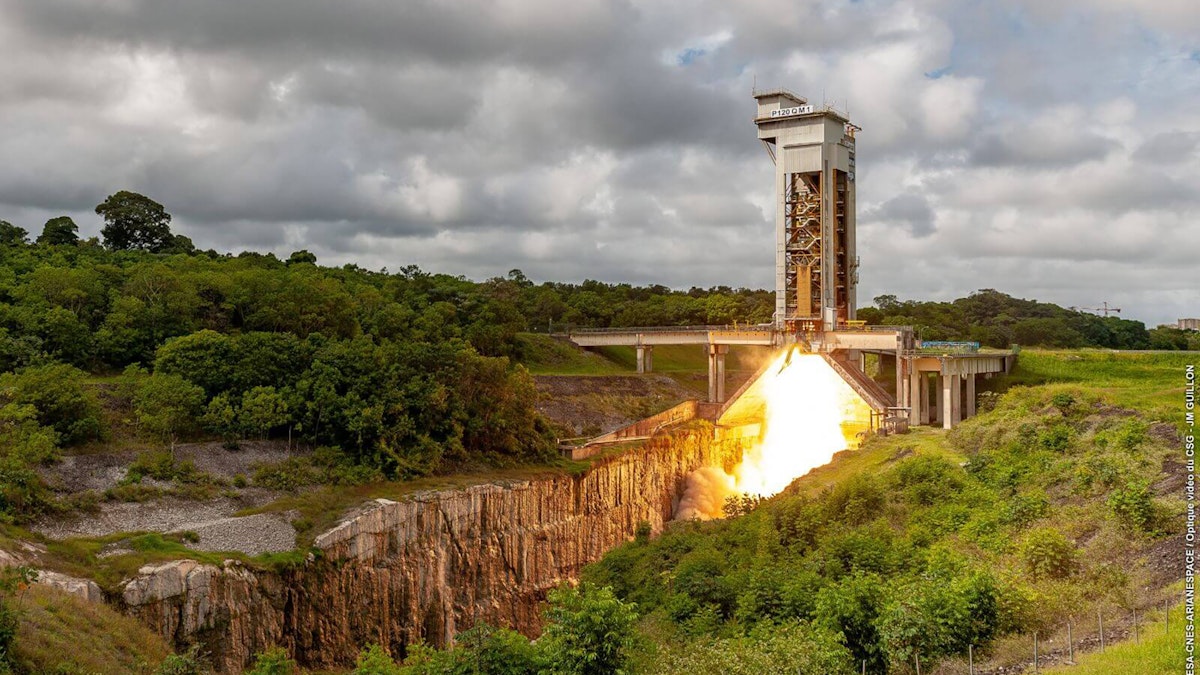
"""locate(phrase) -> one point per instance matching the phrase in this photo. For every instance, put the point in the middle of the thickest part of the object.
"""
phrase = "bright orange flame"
(811, 415)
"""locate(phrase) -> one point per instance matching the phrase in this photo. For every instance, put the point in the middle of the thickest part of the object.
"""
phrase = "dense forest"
(402, 373)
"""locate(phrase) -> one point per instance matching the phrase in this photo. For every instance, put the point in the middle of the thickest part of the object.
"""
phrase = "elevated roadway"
(931, 386)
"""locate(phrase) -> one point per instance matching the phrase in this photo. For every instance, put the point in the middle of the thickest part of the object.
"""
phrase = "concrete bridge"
(717, 338)
(931, 387)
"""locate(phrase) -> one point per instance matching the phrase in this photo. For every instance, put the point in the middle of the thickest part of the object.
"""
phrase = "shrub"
(852, 607)
(168, 405)
(590, 632)
(928, 480)
(1048, 554)
(1063, 401)
(375, 661)
(274, 661)
(1056, 439)
(792, 648)
(187, 663)
(1022, 510)
(288, 475)
(1133, 506)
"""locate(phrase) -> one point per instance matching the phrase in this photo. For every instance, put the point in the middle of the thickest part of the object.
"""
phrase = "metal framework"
(802, 248)
(805, 251)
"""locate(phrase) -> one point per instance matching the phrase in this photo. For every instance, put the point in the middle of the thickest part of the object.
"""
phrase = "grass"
(1150, 382)
(544, 355)
(873, 456)
(1156, 653)
(61, 633)
(79, 556)
(689, 358)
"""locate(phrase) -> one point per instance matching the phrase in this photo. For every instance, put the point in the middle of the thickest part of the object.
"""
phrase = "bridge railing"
(737, 327)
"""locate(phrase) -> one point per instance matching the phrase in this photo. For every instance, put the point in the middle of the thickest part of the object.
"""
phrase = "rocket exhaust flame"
(811, 414)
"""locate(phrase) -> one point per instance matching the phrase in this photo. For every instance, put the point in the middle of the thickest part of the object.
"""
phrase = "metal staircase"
(872, 392)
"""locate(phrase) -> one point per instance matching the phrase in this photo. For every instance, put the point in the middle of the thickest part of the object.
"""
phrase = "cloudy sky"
(1046, 149)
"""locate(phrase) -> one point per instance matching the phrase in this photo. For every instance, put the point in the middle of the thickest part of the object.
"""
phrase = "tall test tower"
(816, 268)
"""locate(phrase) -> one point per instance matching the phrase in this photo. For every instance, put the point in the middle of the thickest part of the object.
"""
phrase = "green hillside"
(1055, 502)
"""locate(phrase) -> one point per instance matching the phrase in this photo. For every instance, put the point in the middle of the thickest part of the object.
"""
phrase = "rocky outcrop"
(82, 588)
(426, 567)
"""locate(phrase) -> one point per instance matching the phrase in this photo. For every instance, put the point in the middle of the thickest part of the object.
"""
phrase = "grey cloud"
(566, 139)
(908, 209)
(1014, 148)
(1169, 148)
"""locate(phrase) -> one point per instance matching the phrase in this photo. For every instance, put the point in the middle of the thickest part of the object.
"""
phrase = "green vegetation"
(1156, 653)
(407, 373)
(61, 633)
(918, 545)
(545, 355)
(273, 662)
(999, 320)
(921, 544)
(589, 632)
(1147, 382)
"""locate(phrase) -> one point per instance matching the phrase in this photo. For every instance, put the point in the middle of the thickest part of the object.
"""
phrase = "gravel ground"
(163, 514)
(259, 533)
(76, 473)
(212, 520)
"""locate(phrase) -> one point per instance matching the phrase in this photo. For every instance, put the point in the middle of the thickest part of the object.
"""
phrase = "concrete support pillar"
(914, 395)
(926, 409)
(716, 373)
(941, 390)
(902, 385)
(969, 410)
(950, 400)
(645, 358)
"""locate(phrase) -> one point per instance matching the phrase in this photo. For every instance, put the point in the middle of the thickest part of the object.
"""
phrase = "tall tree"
(60, 231)
(134, 221)
(11, 235)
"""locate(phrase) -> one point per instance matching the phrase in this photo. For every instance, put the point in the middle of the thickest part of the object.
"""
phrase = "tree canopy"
(135, 222)
(997, 319)
(60, 231)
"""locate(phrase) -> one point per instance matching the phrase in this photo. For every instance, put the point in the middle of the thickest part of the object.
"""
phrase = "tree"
(135, 222)
(590, 632)
(168, 405)
(221, 417)
(65, 337)
(62, 400)
(263, 409)
(11, 235)
(60, 231)
(301, 256)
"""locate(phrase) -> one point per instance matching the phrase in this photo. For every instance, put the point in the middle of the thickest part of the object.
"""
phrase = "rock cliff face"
(426, 567)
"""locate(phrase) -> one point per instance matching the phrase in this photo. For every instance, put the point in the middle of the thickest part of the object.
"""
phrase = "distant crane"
(1106, 310)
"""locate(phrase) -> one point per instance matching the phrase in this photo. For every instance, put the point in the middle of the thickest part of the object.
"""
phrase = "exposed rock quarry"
(426, 567)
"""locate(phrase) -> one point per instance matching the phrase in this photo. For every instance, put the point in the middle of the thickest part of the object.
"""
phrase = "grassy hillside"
(1155, 653)
(545, 355)
(1150, 382)
(59, 633)
(1061, 500)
